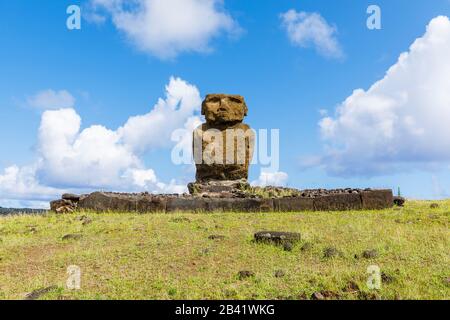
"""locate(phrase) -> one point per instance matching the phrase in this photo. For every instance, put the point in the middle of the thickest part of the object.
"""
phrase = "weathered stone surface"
(294, 204)
(218, 188)
(338, 202)
(399, 201)
(223, 152)
(224, 108)
(151, 203)
(223, 146)
(71, 197)
(100, 201)
(239, 205)
(244, 274)
(226, 201)
(377, 199)
(59, 203)
(277, 237)
(179, 204)
(63, 206)
(72, 236)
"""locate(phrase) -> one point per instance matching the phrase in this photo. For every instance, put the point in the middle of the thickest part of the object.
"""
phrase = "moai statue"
(223, 146)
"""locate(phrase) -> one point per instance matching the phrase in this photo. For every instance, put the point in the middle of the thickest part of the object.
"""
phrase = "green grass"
(169, 256)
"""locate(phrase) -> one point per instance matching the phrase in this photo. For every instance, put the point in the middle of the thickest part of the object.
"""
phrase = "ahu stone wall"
(148, 203)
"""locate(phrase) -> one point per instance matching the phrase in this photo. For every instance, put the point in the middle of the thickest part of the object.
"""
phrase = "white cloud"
(306, 29)
(402, 121)
(154, 129)
(166, 28)
(275, 179)
(50, 99)
(18, 183)
(75, 159)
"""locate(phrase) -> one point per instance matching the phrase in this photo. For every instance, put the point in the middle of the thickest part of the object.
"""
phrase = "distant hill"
(5, 211)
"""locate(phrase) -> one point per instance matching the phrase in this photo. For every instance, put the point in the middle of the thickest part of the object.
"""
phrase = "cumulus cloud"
(402, 121)
(74, 159)
(19, 183)
(154, 129)
(275, 179)
(166, 28)
(306, 29)
(50, 99)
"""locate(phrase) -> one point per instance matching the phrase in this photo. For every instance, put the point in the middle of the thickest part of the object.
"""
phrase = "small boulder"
(244, 274)
(434, 206)
(399, 201)
(277, 237)
(74, 236)
(216, 237)
(370, 254)
(317, 296)
(307, 246)
(331, 252)
(279, 274)
(387, 278)
(288, 246)
(36, 294)
(71, 197)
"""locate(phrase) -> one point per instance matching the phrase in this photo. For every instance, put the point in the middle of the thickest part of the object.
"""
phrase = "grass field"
(170, 256)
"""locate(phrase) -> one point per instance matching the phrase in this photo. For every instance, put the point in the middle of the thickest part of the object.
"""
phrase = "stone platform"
(303, 200)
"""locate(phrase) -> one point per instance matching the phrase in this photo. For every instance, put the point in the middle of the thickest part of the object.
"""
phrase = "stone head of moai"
(223, 146)
(224, 109)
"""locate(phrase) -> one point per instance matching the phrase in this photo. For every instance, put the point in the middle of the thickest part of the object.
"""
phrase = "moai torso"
(223, 146)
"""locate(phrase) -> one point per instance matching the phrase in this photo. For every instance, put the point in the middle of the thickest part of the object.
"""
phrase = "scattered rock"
(331, 252)
(447, 281)
(279, 274)
(370, 254)
(387, 278)
(351, 287)
(288, 246)
(71, 197)
(434, 206)
(277, 237)
(73, 236)
(244, 274)
(65, 209)
(36, 294)
(307, 246)
(85, 220)
(216, 237)
(326, 294)
(317, 296)
(399, 201)
(363, 295)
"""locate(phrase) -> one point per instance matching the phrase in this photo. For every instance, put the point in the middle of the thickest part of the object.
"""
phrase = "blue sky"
(112, 76)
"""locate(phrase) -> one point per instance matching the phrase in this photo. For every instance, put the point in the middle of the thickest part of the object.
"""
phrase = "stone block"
(179, 204)
(294, 204)
(338, 202)
(239, 205)
(377, 199)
